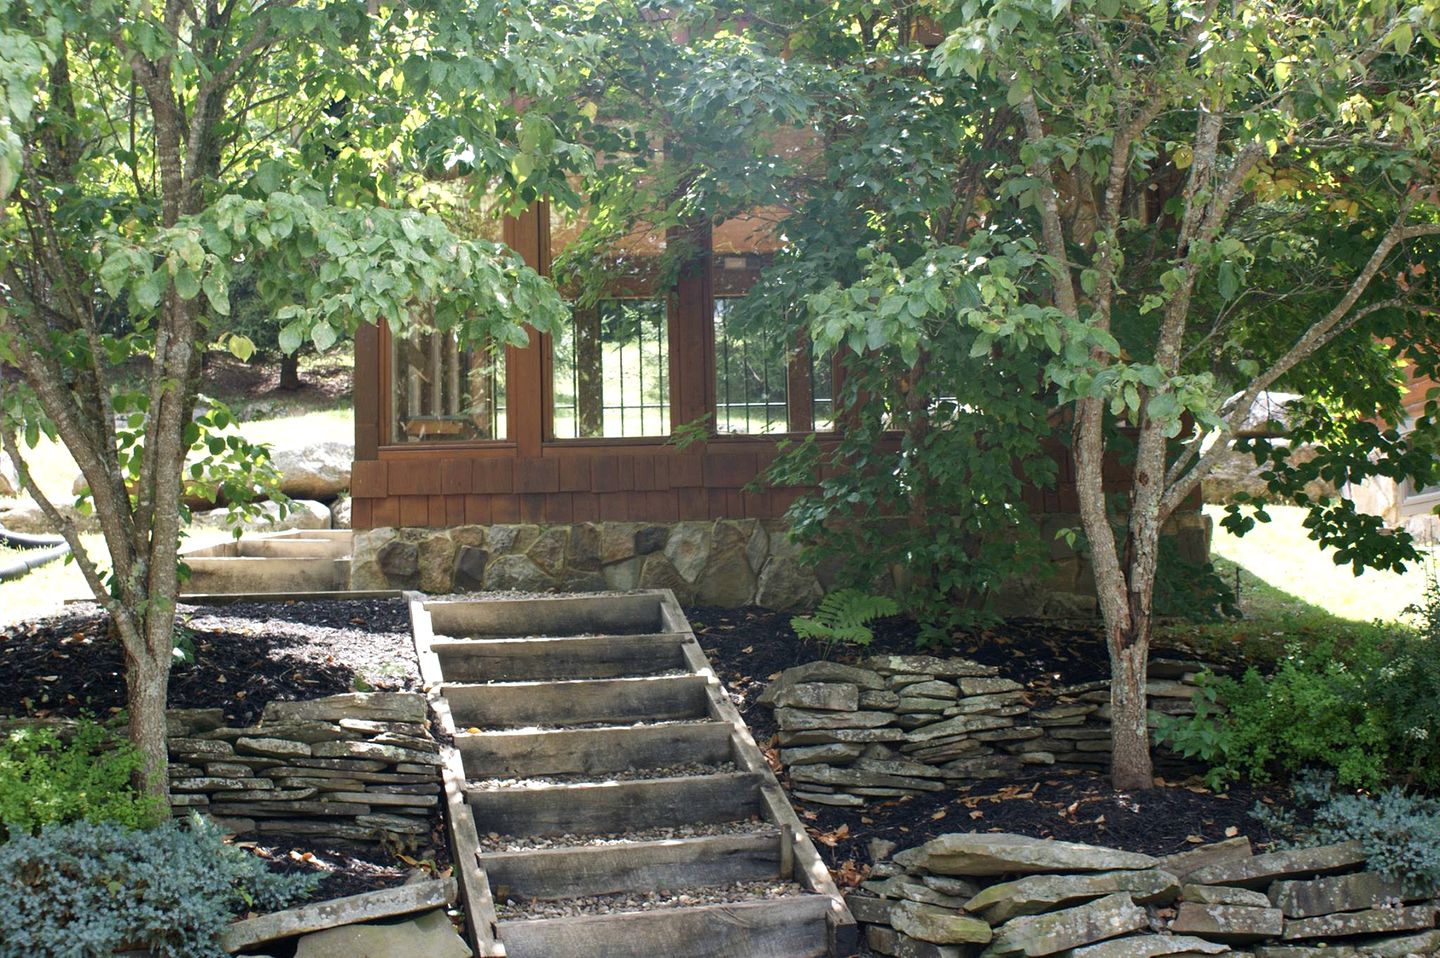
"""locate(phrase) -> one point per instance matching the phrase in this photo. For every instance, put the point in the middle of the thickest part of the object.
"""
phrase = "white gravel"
(513, 909)
(593, 778)
(495, 842)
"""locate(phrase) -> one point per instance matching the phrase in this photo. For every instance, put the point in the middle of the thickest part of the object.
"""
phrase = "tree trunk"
(148, 679)
(1130, 766)
(290, 380)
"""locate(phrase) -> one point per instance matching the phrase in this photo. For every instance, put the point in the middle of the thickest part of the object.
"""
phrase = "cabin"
(554, 467)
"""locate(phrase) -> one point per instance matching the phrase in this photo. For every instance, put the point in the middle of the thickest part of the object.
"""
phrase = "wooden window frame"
(529, 370)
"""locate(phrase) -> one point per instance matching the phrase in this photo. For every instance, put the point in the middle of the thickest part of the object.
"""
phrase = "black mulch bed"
(245, 655)
(351, 869)
(749, 646)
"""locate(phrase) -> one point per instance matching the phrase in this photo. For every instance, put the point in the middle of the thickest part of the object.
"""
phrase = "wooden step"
(614, 807)
(558, 704)
(774, 928)
(636, 614)
(502, 754)
(575, 657)
(292, 548)
(577, 871)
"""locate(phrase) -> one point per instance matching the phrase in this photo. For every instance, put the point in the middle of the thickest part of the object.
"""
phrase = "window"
(611, 371)
(441, 391)
(752, 373)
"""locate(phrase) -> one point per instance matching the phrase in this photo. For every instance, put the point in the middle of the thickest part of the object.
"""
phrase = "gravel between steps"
(593, 778)
(495, 842)
(513, 910)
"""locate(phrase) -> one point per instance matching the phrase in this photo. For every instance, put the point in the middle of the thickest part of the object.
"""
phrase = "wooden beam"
(555, 873)
(581, 657)
(611, 701)
(609, 807)
(777, 928)
(594, 751)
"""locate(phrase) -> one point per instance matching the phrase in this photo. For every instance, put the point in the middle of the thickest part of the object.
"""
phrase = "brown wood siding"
(528, 478)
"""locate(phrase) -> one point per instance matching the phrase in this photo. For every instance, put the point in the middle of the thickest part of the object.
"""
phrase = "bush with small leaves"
(1312, 711)
(1399, 831)
(81, 774)
(85, 889)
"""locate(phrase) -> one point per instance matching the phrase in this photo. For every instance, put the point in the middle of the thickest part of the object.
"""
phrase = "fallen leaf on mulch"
(830, 838)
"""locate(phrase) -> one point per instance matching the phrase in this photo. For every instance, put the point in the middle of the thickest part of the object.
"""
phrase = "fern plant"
(842, 619)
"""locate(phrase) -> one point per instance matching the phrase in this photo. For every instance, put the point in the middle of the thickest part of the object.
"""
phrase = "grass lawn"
(1285, 574)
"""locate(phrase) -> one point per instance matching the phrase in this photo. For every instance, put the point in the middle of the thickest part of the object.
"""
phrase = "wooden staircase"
(297, 562)
(605, 799)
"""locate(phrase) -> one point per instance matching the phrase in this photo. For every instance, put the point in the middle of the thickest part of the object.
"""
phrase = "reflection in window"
(442, 391)
(751, 375)
(822, 390)
(611, 371)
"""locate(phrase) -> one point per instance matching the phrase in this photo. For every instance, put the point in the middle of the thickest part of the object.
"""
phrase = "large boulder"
(516, 573)
(1003, 854)
(302, 514)
(319, 470)
(9, 478)
(788, 585)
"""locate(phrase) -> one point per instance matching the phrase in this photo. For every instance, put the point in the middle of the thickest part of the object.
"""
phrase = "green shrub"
(85, 889)
(1400, 832)
(85, 775)
(843, 618)
(1367, 712)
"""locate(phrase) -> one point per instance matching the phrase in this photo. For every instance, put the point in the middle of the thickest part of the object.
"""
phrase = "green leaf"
(323, 336)
(242, 348)
(289, 339)
(217, 293)
(150, 290)
(187, 284)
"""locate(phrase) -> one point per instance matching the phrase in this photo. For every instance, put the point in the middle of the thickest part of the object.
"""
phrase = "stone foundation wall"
(724, 562)
(727, 562)
(904, 724)
(1007, 896)
(360, 767)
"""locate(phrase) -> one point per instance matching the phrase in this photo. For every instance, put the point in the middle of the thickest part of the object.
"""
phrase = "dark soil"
(749, 647)
(245, 655)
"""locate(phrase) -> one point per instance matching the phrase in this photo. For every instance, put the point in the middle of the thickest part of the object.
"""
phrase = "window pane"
(822, 390)
(751, 375)
(611, 368)
(442, 391)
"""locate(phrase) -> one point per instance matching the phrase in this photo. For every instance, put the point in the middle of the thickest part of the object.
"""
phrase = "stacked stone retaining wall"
(1008, 896)
(360, 767)
(899, 725)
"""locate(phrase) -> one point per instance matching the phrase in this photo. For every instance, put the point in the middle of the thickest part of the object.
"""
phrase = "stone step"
(516, 753)
(577, 702)
(570, 657)
(610, 807)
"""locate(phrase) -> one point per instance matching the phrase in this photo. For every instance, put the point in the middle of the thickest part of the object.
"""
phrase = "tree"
(1225, 193)
(1169, 206)
(149, 149)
